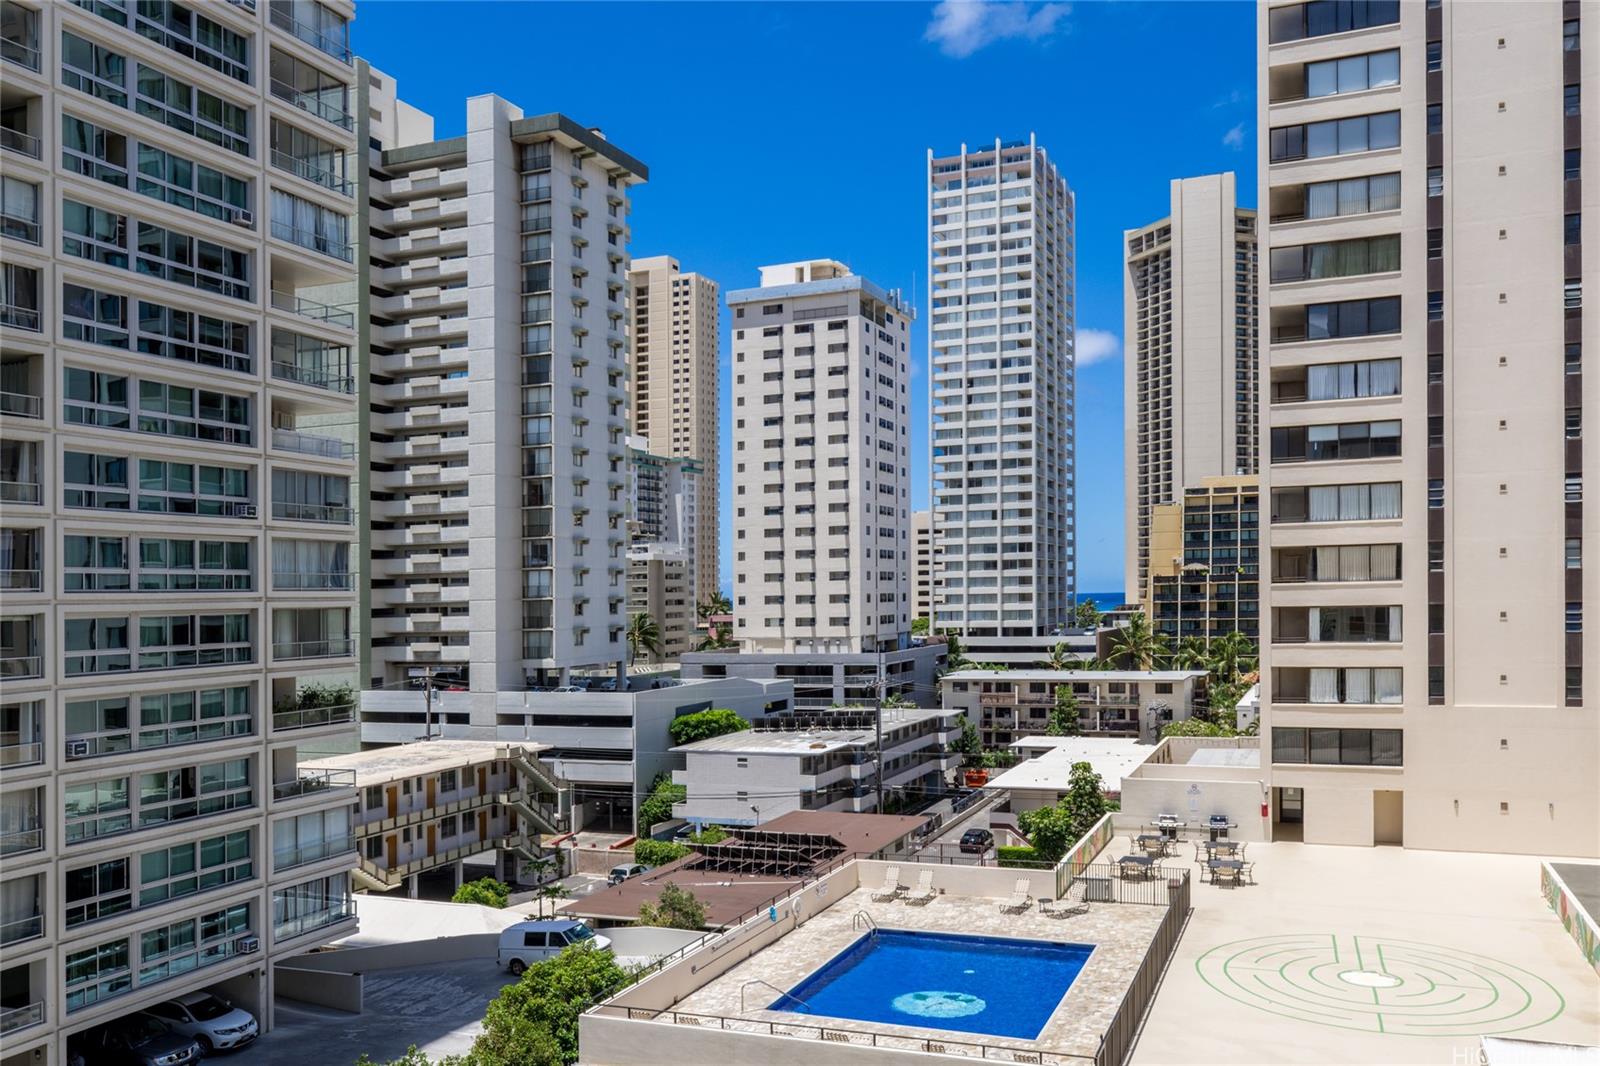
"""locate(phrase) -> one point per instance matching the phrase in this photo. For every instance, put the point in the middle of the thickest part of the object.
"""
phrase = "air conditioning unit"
(246, 945)
(244, 510)
(240, 217)
(77, 749)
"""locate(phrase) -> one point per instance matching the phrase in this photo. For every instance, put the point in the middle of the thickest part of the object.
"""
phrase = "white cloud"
(1096, 346)
(1234, 138)
(962, 27)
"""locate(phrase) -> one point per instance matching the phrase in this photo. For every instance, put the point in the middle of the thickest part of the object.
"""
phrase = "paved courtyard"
(1368, 955)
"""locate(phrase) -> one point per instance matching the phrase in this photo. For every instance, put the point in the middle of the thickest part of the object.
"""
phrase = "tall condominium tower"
(1190, 373)
(822, 481)
(175, 468)
(1430, 413)
(498, 476)
(673, 387)
(921, 565)
(661, 544)
(1001, 292)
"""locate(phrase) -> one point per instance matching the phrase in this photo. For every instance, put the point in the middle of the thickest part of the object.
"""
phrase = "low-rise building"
(817, 762)
(1043, 773)
(432, 804)
(1197, 779)
(1007, 704)
(826, 679)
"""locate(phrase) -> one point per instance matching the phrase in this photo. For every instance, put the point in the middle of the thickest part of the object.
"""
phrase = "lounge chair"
(1019, 899)
(1063, 908)
(891, 885)
(923, 893)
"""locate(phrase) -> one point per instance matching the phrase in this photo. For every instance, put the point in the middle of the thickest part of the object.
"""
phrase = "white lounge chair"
(891, 885)
(1063, 908)
(1019, 900)
(923, 893)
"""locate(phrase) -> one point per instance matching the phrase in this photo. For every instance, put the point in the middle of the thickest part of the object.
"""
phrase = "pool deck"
(1120, 934)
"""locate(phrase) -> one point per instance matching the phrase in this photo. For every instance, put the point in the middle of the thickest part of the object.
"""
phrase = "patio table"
(1142, 863)
(1231, 866)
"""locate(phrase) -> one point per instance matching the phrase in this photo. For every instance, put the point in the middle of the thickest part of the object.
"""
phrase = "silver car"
(215, 1024)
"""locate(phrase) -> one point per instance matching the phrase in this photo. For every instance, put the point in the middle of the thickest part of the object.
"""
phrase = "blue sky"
(781, 131)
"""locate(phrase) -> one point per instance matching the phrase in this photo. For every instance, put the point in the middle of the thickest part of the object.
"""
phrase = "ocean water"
(1104, 601)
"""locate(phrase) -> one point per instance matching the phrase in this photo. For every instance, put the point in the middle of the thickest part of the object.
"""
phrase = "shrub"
(675, 908)
(486, 892)
(703, 725)
(711, 834)
(658, 852)
(1016, 856)
(657, 807)
(1198, 727)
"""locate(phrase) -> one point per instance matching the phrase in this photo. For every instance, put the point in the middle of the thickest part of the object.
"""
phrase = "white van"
(526, 943)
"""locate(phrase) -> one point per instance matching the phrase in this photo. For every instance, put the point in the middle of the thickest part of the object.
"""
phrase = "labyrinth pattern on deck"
(1380, 985)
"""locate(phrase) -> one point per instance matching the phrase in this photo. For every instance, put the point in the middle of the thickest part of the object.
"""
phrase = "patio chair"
(1019, 900)
(923, 894)
(1248, 872)
(1063, 908)
(891, 885)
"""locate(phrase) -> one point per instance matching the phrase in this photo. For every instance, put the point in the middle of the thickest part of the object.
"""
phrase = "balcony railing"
(21, 404)
(314, 241)
(19, 227)
(313, 649)
(21, 754)
(18, 141)
(15, 932)
(22, 666)
(20, 52)
(15, 1018)
(314, 104)
(300, 168)
(21, 580)
(20, 317)
(315, 376)
(299, 305)
(340, 911)
(311, 717)
(332, 46)
(291, 440)
(289, 858)
(303, 580)
(310, 782)
(22, 841)
(311, 512)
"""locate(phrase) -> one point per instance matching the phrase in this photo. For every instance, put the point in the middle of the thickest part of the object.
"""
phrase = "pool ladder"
(862, 916)
(775, 988)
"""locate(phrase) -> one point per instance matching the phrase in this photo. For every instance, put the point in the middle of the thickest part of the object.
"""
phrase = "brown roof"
(731, 897)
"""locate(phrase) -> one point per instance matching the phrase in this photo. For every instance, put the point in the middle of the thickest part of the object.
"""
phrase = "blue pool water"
(967, 984)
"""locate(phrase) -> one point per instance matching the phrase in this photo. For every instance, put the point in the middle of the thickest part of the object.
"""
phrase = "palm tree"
(717, 604)
(1192, 654)
(719, 639)
(1231, 656)
(955, 657)
(1062, 659)
(1135, 646)
(643, 632)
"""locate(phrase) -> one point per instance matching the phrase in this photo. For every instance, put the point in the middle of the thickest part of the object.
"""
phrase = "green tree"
(719, 638)
(644, 633)
(1087, 615)
(486, 892)
(1231, 656)
(968, 743)
(657, 806)
(998, 668)
(955, 656)
(1064, 715)
(895, 700)
(708, 834)
(920, 626)
(1049, 831)
(1198, 727)
(658, 852)
(716, 605)
(1085, 802)
(1061, 657)
(1135, 646)
(675, 908)
(704, 724)
(534, 1022)
(1191, 654)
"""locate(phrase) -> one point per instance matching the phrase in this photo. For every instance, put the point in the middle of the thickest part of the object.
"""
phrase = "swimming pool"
(968, 984)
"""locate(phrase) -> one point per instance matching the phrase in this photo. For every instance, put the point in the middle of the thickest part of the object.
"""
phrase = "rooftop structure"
(1040, 778)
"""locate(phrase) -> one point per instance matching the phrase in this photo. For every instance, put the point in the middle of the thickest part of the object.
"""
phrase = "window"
(1572, 163)
(1436, 244)
(19, 297)
(1350, 440)
(97, 891)
(1436, 181)
(1365, 685)
(311, 226)
(1318, 18)
(1436, 305)
(94, 234)
(1353, 74)
(1353, 196)
(1573, 230)
(19, 209)
(191, 110)
(1435, 494)
(1345, 381)
(96, 974)
(1435, 118)
(187, 869)
(1574, 488)
(1574, 684)
(1435, 56)
(92, 317)
(1574, 553)
(1574, 423)
(1572, 294)
(1574, 617)
(1336, 747)
(1436, 556)
(1317, 140)
(192, 186)
(93, 69)
(94, 152)
(96, 809)
(1571, 35)
(1352, 318)
(1569, 100)
(1336, 259)
(192, 261)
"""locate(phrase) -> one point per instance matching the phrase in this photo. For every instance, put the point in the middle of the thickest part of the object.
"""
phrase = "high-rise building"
(1429, 411)
(822, 479)
(1205, 569)
(498, 475)
(1001, 296)
(1190, 374)
(673, 387)
(175, 550)
(921, 565)
(661, 544)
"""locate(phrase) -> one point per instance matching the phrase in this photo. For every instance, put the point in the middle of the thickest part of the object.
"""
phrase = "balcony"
(329, 648)
(21, 405)
(17, 754)
(304, 168)
(22, 841)
(15, 1019)
(21, 667)
(21, 929)
(338, 911)
(311, 782)
(305, 854)
(19, 36)
(21, 142)
(315, 241)
(291, 440)
(309, 89)
(283, 19)
(299, 305)
(310, 512)
(287, 718)
(309, 580)
(333, 379)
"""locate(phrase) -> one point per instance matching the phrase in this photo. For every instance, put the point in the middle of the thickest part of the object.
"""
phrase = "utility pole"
(427, 703)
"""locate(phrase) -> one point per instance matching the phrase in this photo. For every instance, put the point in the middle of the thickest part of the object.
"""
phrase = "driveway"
(438, 1008)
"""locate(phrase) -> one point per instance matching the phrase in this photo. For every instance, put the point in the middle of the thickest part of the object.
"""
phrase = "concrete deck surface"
(1368, 955)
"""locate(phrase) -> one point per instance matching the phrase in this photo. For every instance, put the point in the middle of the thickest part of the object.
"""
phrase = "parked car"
(526, 943)
(626, 870)
(215, 1024)
(138, 1040)
(977, 841)
(569, 688)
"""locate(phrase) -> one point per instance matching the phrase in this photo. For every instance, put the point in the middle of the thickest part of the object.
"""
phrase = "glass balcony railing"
(336, 911)
(19, 141)
(311, 512)
(311, 781)
(21, 404)
(14, 1018)
(309, 580)
(331, 648)
(21, 51)
(314, 241)
(311, 717)
(291, 440)
(22, 666)
(322, 42)
(22, 841)
(302, 168)
(20, 929)
(320, 377)
(27, 754)
(299, 305)
(328, 110)
(289, 858)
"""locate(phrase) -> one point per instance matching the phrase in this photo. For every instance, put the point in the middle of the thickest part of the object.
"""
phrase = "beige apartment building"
(176, 440)
(673, 387)
(1190, 374)
(822, 479)
(1430, 415)
(921, 565)
(1205, 569)
(662, 556)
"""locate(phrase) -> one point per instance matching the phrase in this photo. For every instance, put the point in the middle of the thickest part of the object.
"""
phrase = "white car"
(215, 1024)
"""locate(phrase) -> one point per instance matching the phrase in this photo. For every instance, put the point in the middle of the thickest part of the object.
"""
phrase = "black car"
(977, 841)
(138, 1040)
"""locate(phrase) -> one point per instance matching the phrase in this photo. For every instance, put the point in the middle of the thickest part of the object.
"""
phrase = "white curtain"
(1385, 562)
(1314, 623)
(1326, 564)
(1394, 624)
(1385, 377)
(1324, 502)
(1322, 382)
(1324, 685)
(1386, 684)
(19, 901)
(1355, 502)
(1386, 500)
(1354, 563)
(1358, 686)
